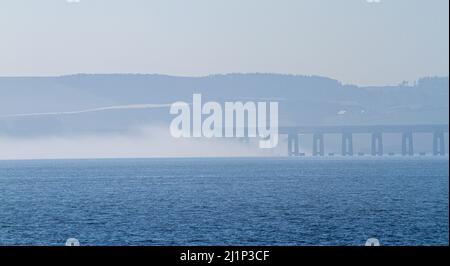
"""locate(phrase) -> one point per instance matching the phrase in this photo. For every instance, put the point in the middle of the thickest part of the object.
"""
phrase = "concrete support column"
(318, 145)
(293, 145)
(377, 144)
(407, 144)
(347, 144)
(438, 143)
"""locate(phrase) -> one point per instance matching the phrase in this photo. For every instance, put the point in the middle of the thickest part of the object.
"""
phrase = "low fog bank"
(146, 142)
(156, 142)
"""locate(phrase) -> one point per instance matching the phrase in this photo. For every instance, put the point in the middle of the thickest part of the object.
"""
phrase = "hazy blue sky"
(350, 40)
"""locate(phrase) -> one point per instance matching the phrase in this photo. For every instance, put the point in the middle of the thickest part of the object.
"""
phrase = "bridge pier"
(407, 144)
(347, 144)
(377, 144)
(293, 145)
(438, 143)
(318, 145)
(376, 131)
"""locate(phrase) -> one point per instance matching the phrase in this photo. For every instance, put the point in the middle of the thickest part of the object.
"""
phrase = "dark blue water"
(224, 202)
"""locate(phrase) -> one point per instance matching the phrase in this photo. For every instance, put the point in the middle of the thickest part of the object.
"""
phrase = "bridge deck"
(364, 129)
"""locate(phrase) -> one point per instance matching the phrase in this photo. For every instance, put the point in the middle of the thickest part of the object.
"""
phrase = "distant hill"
(304, 100)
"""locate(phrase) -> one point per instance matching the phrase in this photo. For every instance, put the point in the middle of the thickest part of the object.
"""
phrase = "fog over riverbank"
(93, 116)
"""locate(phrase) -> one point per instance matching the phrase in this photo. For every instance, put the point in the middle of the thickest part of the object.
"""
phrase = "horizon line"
(408, 83)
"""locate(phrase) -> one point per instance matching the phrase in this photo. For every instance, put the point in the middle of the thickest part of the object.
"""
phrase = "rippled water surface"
(224, 201)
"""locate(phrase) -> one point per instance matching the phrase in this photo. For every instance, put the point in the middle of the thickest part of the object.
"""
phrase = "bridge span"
(376, 131)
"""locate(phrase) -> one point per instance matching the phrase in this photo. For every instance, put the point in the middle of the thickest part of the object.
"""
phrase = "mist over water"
(147, 142)
(127, 116)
